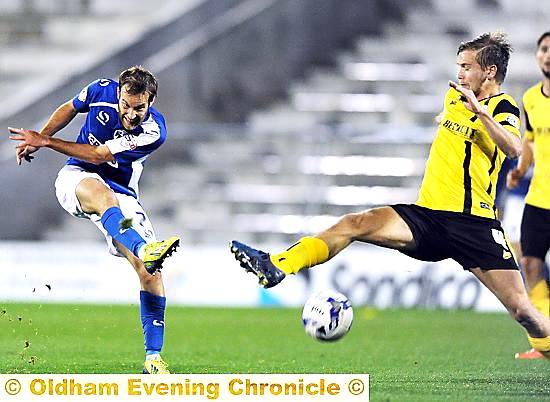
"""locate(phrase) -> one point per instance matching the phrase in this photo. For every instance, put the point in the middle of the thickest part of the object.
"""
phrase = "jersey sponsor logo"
(102, 117)
(94, 141)
(460, 129)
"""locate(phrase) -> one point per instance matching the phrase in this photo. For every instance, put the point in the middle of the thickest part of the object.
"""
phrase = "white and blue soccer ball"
(327, 315)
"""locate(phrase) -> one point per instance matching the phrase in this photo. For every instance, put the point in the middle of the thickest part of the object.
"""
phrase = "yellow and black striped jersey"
(537, 129)
(464, 162)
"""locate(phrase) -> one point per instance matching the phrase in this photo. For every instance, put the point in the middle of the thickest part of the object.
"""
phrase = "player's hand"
(470, 101)
(30, 142)
(513, 177)
(24, 153)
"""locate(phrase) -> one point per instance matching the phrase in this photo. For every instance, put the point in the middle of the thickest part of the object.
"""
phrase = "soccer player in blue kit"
(99, 181)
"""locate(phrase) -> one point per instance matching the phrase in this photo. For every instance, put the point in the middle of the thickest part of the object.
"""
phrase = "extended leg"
(381, 226)
(508, 287)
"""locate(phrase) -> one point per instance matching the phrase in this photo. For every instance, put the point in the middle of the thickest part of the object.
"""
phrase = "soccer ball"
(327, 315)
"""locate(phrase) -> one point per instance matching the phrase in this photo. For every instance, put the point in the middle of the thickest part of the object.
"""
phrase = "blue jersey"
(103, 127)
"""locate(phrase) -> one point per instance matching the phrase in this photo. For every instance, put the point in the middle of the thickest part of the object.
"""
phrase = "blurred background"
(282, 114)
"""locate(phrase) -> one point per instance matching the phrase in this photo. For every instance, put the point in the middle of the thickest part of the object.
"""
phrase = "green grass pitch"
(411, 355)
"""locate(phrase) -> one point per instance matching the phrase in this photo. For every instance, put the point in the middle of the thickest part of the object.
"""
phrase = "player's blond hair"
(493, 49)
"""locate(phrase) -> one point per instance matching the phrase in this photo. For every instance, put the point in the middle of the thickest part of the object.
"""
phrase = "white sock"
(152, 356)
(141, 252)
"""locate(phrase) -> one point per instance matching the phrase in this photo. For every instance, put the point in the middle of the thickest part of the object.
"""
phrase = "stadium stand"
(263, 149)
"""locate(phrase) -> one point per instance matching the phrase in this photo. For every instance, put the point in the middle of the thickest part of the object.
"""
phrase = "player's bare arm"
(509, 143)
(525, 160)
(62, 116)
(86, 152)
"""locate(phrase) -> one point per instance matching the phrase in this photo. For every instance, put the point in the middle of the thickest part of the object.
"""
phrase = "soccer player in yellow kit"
(535, 223)
(454, 216)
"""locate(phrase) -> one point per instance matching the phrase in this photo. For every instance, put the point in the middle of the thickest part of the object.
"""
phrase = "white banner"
(188, 387)
(368, 275)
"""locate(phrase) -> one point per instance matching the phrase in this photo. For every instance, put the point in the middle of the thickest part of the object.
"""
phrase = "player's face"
(470, 74)
(543, 56)
(132, 109)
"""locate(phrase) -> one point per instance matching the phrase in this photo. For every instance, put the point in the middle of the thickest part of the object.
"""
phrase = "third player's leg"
(381, 226)
(533, 270)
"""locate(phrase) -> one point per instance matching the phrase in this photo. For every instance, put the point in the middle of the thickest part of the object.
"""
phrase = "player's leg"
(97, 199)
(381, 226)
(537, 287)
(507, 286)
(152, 297)
(538, 292)
(535, 241)
(152, 309)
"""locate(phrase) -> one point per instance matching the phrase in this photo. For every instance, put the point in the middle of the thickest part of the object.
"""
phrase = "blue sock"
(152, 319)
(128, 237)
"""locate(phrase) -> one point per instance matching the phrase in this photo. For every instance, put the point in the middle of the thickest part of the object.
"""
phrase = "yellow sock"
(540, 297)
(306, 253)
(541, 344)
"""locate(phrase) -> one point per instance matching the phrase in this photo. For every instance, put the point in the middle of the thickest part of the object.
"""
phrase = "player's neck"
(488, 89)
(546, 87)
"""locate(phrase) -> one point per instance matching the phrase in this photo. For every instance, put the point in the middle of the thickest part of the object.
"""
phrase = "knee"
(149, 281)
(531, 264)
(357, 223)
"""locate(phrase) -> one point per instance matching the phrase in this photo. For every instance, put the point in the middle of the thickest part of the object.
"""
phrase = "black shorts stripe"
(467, 178)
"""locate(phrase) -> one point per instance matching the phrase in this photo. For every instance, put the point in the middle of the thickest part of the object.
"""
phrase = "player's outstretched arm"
(62, 116)
(86, 152)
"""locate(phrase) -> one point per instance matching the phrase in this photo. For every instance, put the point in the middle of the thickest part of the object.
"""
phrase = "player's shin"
(306, 253)
(112, 221)
(152, 309)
